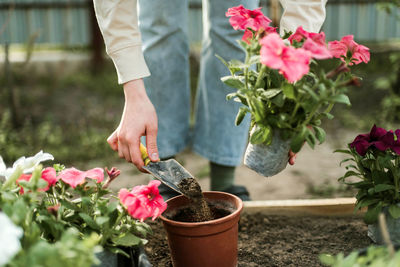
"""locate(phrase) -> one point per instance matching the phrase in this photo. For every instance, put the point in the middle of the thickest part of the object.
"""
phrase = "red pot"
(204, 244)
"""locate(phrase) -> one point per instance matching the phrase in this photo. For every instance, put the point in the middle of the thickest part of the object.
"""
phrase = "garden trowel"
(169, 172)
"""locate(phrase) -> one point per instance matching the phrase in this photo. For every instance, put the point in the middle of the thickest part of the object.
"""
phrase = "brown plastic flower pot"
(210, 243)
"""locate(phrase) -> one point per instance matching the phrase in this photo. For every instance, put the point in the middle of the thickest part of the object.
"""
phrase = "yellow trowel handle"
(145, 156)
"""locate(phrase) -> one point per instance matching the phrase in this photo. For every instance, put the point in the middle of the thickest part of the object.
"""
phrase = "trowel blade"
(169, 172)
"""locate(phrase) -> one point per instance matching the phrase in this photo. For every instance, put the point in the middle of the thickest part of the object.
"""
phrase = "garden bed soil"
(276, 240)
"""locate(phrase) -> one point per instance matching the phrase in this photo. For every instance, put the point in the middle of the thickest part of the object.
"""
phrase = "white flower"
(9, 236)
(26, 164)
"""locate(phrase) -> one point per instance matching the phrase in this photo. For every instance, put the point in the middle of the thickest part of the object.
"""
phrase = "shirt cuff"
(130, 64)
(309, 14)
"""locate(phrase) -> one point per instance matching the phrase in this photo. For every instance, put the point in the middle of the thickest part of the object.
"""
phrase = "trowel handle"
(145, 156)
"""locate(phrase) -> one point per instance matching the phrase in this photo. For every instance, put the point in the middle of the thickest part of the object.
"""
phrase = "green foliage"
(378, 175)
(375, 256)
(70, 115)
(67, 223)
(296, 109)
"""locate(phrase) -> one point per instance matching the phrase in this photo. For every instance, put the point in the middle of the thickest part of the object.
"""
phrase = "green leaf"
(278, 100)
(371, 216)
(222, 60)
(327, 259)
(341, 98)
(314, 96)
(298, 140)
(89, 221)
(320, 134)
(270, 93)
(102, 220)
(127, 240)
(383, 187)
(288, 90)
(233, 81)
(345, 151)
(240, 115)
(394, 210)
(310, 138)
(261, 135)
(230, 96)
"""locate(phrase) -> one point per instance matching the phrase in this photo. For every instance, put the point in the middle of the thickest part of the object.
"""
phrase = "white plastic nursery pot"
(268, 160)
(393, 226)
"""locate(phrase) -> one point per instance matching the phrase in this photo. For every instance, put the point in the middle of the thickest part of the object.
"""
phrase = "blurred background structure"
(59, 91)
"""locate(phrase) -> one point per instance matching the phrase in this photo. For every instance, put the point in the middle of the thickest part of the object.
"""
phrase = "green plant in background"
(375, 161)
(376, 256)
(282, 86)
(57, 207)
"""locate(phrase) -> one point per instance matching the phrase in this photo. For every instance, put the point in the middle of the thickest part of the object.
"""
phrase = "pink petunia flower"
(143, 201)
(314, 43)
(347, 48)
(242, 18)
(48, 174)
(292, 63)
(75, 177)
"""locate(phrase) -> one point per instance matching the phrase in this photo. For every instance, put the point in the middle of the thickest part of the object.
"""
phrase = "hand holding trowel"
(169, 172)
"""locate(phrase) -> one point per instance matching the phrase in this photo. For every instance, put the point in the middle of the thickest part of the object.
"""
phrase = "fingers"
(151, 142)
(292, 157)
(112, 140)
(136, 156)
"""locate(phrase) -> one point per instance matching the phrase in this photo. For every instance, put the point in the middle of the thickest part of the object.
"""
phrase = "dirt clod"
(198, 210)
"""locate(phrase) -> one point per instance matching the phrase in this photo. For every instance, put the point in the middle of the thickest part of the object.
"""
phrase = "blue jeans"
(163, 24)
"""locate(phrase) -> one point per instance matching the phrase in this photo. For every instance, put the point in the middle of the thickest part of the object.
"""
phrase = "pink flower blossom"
(292, 63)
(317, 50)
(347, 48)
(48, 174)
(143, 201)
(242, 18)
(75, 177)
(314, 43)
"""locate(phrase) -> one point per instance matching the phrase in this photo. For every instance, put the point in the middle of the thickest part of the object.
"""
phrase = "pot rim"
(216, 221)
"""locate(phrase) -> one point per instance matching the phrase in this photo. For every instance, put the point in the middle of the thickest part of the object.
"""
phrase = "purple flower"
(378, 138)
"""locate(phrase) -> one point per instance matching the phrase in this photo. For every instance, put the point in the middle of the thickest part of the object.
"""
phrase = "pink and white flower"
(314, 43)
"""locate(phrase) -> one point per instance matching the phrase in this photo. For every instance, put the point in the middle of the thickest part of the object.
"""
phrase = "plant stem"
(260, 77)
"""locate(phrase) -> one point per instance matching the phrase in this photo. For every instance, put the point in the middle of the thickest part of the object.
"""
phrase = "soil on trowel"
(198, 209)
(276, 240)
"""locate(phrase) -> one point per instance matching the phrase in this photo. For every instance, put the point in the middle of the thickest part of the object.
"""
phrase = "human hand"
(138, 119)
(292, 157)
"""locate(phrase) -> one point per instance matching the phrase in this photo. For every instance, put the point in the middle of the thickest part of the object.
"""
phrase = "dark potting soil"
(275, 240)
(188, 214)
(197, 210)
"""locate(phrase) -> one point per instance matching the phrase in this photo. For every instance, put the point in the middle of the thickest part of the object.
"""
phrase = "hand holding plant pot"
(283, 88)
(375, 160)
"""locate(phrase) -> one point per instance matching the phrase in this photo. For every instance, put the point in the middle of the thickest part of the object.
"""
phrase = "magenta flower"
(314, 42)
(347, 48)
(292, 63)
(143, 201)
(242, 18)
(75, 177)
(378, 138)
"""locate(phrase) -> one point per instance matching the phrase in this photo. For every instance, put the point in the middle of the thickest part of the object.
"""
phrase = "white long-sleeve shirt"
(118, 23)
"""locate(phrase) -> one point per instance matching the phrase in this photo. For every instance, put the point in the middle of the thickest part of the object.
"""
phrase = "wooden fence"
(70, 23)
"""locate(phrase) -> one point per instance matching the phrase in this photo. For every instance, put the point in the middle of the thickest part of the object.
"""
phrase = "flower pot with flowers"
(50, 203)
(282, 86)
(375, 161)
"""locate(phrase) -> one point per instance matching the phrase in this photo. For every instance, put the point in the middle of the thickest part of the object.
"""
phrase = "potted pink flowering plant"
(282, 86)
(67, 198)
(375, 162)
